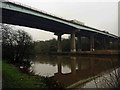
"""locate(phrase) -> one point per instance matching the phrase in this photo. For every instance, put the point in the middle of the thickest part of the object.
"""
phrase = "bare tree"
(17, 44)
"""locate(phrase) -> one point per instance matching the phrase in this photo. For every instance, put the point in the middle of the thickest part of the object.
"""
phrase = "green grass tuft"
(13, 78)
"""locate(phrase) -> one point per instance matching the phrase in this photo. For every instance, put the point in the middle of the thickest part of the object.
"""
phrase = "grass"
(13, 78)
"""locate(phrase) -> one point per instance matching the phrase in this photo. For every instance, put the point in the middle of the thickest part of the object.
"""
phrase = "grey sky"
(101, 15)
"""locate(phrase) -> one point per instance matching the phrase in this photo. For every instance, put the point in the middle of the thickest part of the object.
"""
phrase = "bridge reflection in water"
(69, 70)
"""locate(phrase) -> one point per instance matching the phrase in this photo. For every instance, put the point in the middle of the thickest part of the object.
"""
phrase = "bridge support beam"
(92, 43)
(59, 43)
(73, 44)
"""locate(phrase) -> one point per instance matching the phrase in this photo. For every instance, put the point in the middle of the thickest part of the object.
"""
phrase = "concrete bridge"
(18, 14)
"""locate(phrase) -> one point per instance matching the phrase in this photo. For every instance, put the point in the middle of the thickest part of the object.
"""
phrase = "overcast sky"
(99, 14)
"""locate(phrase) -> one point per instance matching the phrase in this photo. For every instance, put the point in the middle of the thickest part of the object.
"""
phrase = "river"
(71, 69)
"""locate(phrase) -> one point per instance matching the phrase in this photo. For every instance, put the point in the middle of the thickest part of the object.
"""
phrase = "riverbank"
(109, 79)
(14, 78)
(90, 53)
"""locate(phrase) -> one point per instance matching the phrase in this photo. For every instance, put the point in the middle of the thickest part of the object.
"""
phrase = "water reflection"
(69, 70)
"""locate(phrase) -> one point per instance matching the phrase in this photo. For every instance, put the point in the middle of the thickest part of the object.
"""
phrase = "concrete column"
(92, 43)
(79, 44)
(111, 44)
(73, 44)
(104, 43)
(59, 43)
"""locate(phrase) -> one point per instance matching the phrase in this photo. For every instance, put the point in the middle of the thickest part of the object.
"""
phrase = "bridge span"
(22, 15)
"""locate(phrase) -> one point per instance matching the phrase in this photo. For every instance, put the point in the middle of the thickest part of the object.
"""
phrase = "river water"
(71, 69)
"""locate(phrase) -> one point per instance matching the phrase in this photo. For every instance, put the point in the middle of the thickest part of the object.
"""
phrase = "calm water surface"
(68, 70)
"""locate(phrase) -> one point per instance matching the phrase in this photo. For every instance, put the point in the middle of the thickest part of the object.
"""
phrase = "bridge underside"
(28, 20)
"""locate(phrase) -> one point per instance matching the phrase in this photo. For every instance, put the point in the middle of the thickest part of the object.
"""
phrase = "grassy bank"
(14, 78)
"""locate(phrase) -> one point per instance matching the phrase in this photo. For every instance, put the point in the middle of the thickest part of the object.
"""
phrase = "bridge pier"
(104, 43)
(59, 43)
(79, 44)
(92, 43)
(111, 44)
(73, 44)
